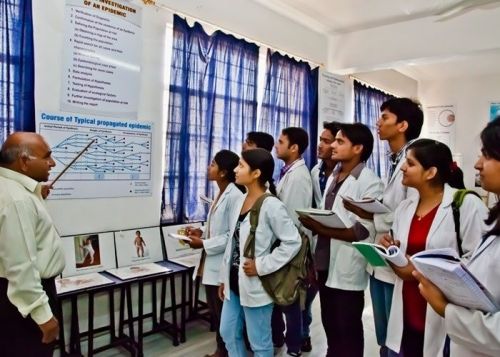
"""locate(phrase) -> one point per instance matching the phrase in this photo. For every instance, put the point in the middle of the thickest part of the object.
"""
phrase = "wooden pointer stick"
(71, 163)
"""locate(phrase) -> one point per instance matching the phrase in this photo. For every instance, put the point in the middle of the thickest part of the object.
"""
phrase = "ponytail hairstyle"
(432, 153)
(262, 160)
(227, 161)
(490, 139)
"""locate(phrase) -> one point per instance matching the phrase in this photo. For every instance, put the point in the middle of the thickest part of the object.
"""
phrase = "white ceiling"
(337, 17)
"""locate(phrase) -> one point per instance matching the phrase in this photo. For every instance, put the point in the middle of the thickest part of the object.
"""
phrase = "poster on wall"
(331, 97)
(101, 58)
(116, 164)
(138, 246)
(494, 110)
(441, 124)
(86, 253)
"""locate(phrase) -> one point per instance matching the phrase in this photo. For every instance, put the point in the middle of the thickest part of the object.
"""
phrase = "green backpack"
(290, 282)
(458, 199)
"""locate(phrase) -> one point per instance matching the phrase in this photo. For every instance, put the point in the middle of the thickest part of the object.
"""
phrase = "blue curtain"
(290, 99)
(17, 102)
(212, 106)
(367, 102)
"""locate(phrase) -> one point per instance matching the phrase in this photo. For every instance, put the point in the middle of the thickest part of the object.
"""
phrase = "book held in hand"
(371, 205)
(377, 254)
(179, 237)
(444, 268)
(325, 217)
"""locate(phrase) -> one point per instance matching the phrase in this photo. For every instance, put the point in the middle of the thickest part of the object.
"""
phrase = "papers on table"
(368, 204)
(325, 217)
(136, 271)
(80, 282)
(189, 261)
(444, 268)
(377, 254)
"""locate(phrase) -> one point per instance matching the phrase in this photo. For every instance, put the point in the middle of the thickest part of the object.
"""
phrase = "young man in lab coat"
(319, 175)
(341, 269)
(400, 122)
(294, 189)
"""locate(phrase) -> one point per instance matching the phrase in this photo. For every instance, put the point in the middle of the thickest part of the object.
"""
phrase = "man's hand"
(314, 226)
(431, 293)
(221, 292)
(45, 188)
(50, 330)
(361, 213)
(194, 232)
(249, 267)
(195, 242)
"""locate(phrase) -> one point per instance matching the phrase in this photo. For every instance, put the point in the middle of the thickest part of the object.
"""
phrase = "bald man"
(31, 254)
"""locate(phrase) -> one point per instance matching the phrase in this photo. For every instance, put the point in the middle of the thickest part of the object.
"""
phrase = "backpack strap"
(458, 199)
(249, 250)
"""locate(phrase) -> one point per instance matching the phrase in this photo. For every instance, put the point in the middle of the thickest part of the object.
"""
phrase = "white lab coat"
(394, 193)
(216, 240)
(347, 269)
(441, 235)
(295, 189)
(274, 223)
(317, 195)
(472, 332)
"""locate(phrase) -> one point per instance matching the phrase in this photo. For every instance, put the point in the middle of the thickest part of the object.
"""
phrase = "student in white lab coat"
(245, 300)
(294, 189)
(341, 269)
(426, 222)
(216, 236)
(472, 332)
(400, 122)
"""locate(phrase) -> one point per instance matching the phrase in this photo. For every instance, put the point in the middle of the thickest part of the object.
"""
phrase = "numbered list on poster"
(101, 58)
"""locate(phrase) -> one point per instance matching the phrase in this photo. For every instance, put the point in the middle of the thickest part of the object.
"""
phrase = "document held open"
(444, 268)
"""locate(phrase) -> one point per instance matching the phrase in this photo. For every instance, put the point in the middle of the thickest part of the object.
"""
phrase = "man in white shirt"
(400, 123)
(341, 271)
(294, 189)
(31, 254)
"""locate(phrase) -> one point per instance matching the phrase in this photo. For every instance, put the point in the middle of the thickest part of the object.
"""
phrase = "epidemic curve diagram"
(110, 157)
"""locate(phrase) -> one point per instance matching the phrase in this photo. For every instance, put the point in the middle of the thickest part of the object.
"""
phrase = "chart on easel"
(117, 162)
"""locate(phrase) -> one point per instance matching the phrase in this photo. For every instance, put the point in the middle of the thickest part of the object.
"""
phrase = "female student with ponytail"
(216, 236)
(245, 300)
(426, 222)
(473, 332)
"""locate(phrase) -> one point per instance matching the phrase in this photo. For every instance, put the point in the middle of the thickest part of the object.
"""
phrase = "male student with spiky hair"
(400, 123)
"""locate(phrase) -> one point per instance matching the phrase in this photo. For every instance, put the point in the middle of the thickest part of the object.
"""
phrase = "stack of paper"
(80, 282)
(137, 271)
(325, 217)
(368, 204)
(446, 271)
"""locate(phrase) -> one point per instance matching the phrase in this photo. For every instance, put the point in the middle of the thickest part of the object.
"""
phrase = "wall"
(472, 96)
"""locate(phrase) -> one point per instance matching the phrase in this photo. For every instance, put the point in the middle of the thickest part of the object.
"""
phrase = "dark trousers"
(412, 343)
(21, 336)
(293, 316)
(215, 307)
(341, 313)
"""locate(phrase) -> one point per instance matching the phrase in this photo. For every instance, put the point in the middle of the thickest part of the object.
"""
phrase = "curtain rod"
(372, 86)
(260, 43)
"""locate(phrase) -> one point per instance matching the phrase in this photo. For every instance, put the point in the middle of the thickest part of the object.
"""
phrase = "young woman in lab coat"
(426, 222)
(245, 300)
(216, 236)
(473, 332)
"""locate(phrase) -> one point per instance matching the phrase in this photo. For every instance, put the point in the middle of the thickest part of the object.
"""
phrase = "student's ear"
(256, 174)
(294, 148)
(403, 126)
(358, 149)
(431, 173)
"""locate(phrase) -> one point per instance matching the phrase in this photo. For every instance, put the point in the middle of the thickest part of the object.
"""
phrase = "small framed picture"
(138, 246)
